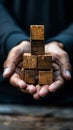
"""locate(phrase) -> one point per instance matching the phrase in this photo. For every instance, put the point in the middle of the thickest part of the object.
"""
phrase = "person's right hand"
(13, 65)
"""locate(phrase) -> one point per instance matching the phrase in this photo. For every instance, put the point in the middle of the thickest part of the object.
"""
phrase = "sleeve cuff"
(67, 40)
(15, 39)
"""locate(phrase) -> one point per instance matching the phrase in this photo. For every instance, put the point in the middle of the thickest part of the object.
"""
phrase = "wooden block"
(37, 39)
(37, 32)
(29, 61)
(29, 76)
(45, 77)
(45, 62)
(37, 47)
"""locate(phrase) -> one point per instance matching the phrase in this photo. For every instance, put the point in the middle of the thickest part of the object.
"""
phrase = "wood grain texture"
(29, 76)
(22, 117)
(37, 39)
(37, 32)
(45, 77)
(37, 47)
(45, 62)
(37, 60)
(29, 61)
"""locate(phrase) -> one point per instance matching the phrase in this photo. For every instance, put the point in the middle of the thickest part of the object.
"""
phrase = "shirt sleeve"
(10, 33)
(65, 37)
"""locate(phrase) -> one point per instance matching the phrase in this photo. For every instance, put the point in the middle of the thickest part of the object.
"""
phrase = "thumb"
(65, 66)
(9, 69)
(10, 64)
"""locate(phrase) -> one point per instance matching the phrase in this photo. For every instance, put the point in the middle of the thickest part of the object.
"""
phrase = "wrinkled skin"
(60, 63)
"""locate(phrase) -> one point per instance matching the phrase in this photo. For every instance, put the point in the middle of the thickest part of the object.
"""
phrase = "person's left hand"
(58, 82)
(61, 69)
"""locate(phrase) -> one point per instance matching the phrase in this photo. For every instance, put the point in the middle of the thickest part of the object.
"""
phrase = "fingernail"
(68, 73)
(6, 71)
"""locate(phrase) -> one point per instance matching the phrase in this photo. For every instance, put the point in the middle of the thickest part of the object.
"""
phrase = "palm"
(36, 91)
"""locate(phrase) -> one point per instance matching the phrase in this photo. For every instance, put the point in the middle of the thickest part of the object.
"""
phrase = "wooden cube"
(45, 77)
(45, 62)
(37, 32)
(37, 47)
(29, 76)
(29, 61)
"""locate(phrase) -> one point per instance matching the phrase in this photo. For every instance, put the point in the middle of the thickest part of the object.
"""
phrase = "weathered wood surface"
(37, 60)
(37, 47)
(34, 123)
(45, 62)
(37, 32)
(29, 76)
(35, 118)
(45, 77)
(29, 61)
(37, 39)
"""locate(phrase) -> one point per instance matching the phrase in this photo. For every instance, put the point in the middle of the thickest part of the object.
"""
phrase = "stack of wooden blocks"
(37, 66)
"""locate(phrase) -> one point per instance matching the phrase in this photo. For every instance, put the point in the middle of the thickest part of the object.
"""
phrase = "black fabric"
(16, 16)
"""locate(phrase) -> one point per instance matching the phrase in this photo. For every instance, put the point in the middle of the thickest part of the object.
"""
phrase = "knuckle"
(15, 49)
(63, 54)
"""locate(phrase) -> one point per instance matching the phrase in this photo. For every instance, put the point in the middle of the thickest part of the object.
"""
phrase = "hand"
(37, 91)
(60, 57)
(61, 68)
(13, 64)
(58, 82)
(12, 68)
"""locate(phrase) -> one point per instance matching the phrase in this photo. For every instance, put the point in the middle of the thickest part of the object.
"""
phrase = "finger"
(55, 67)
(36, 95)
(56, 72)
(41, 91)
(64, 63)
(9, 70)
(31, 89)
(44, 91)
(56, 85)
(17, 82)
(10, 64)
(57, 78)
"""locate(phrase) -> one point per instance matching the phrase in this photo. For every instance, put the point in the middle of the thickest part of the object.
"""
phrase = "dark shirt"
(16, 16)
